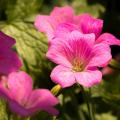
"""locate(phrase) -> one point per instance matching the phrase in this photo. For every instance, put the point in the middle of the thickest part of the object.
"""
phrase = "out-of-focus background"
(17, 20)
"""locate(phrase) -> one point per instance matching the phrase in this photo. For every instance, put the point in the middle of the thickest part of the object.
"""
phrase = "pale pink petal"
(89, 24)
(58, 53)
(20, 86)
(62, 14)
(7, 95)
(101, 55)
(88, 78)
(64, 29)
(76, 35)
(109, 39)
(42, 99)
(63, 76)
(45, 24)
(48, 24)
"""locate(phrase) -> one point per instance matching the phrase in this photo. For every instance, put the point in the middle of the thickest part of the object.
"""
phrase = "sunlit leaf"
(3, 113)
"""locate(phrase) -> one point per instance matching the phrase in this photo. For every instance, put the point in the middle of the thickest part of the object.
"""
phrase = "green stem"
(92, 113)
(87, 97)
(76, 104)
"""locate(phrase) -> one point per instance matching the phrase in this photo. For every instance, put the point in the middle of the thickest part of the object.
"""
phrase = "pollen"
(78, 66)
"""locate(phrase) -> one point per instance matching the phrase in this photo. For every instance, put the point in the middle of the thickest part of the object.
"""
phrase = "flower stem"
(91, 107)
(88, 99)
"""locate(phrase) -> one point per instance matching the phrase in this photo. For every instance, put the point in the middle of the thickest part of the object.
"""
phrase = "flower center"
(78, 66)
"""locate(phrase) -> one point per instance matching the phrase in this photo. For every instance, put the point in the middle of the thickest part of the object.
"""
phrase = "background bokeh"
(17, 20)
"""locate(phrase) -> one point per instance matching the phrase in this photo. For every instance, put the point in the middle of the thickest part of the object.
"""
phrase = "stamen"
(78, 66)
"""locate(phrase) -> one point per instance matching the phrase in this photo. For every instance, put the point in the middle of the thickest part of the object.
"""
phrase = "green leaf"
(105, 116)
(32, 47)
(3, 113)
(20, 9)
(82, 6)
(109, 90)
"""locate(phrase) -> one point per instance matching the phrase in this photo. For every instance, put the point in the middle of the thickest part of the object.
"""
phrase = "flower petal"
(48, 24)
(63, 76)
(56, 52)
(20, 86)
(62, 14)
(9, 61)
(64, 29)
(78, 36)
(42, 99)
(18, 109)
(101, 55)
(89, 78)
(89, 24)
(75, 46)
(80, 46)
(109, 39)
(44, 24)
(6, 41)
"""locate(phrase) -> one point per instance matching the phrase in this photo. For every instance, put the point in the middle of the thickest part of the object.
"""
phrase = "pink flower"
(87, 25)
(17, 90)
(48, 24)
(9, 60)
(64, 16)
(78, 57)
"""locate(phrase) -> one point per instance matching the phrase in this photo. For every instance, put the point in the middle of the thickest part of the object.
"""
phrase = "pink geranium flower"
(23, 100)
(106, 38)
(64, 16)
(48, 24)
(9, 60)
(78, 59)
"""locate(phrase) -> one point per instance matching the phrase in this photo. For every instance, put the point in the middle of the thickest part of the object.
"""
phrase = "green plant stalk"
(91, 107)
(75, 103)
(88, 100)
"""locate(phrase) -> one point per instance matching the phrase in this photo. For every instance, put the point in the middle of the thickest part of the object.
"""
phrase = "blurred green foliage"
(17, 20)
